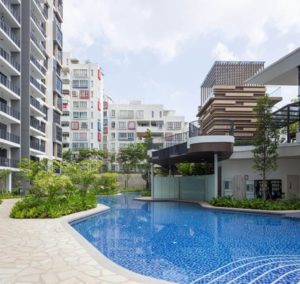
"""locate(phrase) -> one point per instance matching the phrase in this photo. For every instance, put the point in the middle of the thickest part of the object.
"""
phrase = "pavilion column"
(298, 98)
(152, 179)
(216, 174)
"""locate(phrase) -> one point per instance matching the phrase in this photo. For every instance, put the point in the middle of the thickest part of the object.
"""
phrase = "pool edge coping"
(206, 205)
(97, 255)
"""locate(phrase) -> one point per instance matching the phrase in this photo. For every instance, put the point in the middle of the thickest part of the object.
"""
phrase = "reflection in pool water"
(182, 242)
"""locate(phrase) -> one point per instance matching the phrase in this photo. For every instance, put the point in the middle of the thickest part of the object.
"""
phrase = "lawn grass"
(256, 203)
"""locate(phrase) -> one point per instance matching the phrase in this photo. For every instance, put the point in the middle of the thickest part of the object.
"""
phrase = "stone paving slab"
(50, 251)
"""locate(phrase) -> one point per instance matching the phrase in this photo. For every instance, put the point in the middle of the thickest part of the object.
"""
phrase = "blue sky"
(159, 51)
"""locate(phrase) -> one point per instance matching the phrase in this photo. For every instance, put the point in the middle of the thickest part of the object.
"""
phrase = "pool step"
(254, 270)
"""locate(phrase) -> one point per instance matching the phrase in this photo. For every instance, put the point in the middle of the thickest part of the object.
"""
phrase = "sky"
(159, 51)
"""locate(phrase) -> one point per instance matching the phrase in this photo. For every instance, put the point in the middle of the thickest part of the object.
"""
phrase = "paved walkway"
(46, 251)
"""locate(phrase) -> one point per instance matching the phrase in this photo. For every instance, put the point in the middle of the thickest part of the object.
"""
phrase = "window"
(177, 125)
(92, 72)
(92, 83)
(80, 84)
(92, 135)
(81, 73)
(105, 113)
(84, 94)
(152, 113)
(131, 125)
(79, 136)
(105, 122)
(80, 145)
(139, 114)
(126, 114)
(74, 125)
(112, 147)
(92, 94)
(126, 136)
(74, 94)
(174, 125)
(92, 104)
(122, 124)
(79, 104)
(160, 114)
(113, 113)
(80, 114)
(83, 125)
(92, 125)
(65, 123)
(92, 114)
(113, 125)
(113, 135)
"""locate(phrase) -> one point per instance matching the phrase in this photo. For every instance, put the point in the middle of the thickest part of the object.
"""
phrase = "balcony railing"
(37, 146)
(10, 85)
(38, 65)
(10, 111)
(38, 85)
(9, 136)
(4, 54)
(40, 44)
(13, 10)
(43, 9)
(39, 24)
(35, 123)
(7, 29)
(9, 163)
(34, 102)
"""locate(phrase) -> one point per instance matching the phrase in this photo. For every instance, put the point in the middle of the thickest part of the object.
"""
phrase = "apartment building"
(226, 100)
(82, 104)
(30, 84)
(129, 123)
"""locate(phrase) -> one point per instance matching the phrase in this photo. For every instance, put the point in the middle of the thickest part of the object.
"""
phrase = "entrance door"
(293, 186)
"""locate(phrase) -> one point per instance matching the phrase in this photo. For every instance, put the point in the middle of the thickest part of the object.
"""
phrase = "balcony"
(39, 47)
(9, 137)
(14, 114)
(57, 84)
(58, 36)
(39, 25)
(7, 30)
(42, 9)
(39, 87)
(13, 67)
(38, 109)
(8, 163)
(36, 145)
(38, 125)
(57, 133)
(12, 10)
(38, 65)
(58, 8)
(11, 90)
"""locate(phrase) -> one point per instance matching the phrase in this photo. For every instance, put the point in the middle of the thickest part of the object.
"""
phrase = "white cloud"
(164, 27)
(221, 52)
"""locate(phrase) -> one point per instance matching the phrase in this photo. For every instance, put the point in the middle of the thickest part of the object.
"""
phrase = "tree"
(132, 157)
(3, 175)
(265, 141)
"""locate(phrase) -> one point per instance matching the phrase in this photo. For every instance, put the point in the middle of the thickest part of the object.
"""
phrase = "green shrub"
(106, 183)
(256, 203)
(45, 207)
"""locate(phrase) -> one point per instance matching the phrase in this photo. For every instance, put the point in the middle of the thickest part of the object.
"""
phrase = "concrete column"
(152, 179)
(9, 182)
(216, 174)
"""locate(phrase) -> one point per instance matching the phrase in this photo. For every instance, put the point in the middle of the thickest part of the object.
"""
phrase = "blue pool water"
(185, 243)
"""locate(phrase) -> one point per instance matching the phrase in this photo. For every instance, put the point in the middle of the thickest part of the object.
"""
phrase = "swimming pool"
(185, 243)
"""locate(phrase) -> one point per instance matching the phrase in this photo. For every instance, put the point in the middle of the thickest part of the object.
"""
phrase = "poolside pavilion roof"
(283, 72)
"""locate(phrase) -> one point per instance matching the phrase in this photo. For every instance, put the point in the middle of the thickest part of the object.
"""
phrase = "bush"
(35, 207)
(256, 203)
(106, 183)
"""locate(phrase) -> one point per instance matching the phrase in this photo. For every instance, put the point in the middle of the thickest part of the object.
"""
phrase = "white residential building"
(82, 104)
(128, 123)
(30, 85)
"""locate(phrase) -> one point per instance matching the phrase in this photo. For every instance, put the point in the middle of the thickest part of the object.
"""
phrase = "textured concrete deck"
(50, 251)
